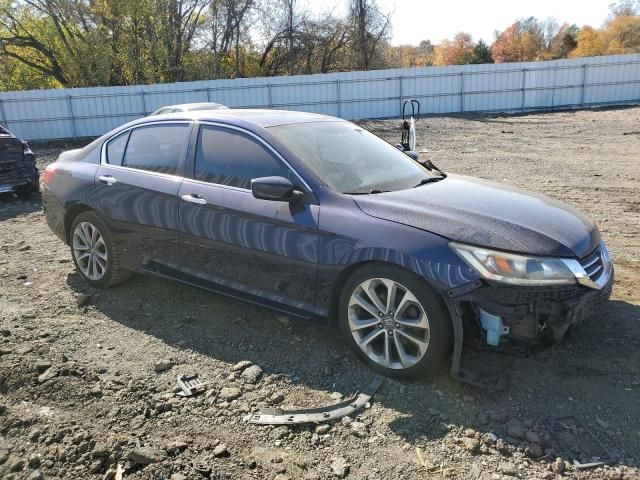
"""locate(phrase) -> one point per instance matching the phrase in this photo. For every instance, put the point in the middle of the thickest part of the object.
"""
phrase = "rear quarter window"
(115, 149)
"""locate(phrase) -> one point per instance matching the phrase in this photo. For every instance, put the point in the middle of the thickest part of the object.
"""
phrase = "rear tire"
(94, 253)
(394, 321)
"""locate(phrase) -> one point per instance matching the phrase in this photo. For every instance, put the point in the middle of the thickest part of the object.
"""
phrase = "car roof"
(258, 117)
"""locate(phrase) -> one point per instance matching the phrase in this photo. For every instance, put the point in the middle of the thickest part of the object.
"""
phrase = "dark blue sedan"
(316, 217)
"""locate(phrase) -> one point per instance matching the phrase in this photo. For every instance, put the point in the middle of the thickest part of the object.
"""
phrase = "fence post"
(3, 116)
(584, 83)
(338, 98)
(208, 94)
(144, 104)
(269, 95)
(524, 88)
(72, 117)
(401, 94)
(461, 92)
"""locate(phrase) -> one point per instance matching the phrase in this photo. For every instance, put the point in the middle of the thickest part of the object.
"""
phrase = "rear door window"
(157, 148)
(229, 157)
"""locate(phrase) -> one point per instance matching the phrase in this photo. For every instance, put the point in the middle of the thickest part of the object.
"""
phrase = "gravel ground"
(87, 377)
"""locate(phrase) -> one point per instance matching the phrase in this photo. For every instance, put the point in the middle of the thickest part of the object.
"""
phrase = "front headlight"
(515, 269)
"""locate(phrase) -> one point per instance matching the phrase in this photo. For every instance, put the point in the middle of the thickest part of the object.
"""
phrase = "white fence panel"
(511, 87)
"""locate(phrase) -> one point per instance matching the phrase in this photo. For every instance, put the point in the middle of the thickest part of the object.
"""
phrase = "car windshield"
(348, 158)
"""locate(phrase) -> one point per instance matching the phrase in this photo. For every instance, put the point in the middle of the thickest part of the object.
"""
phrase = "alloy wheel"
(388, 323)
(90, 251)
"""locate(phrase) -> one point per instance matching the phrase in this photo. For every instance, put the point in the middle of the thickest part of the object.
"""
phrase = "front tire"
(394, 321)
(96, 257)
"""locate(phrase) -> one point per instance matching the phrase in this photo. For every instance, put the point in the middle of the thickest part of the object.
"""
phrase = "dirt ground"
(80, 394)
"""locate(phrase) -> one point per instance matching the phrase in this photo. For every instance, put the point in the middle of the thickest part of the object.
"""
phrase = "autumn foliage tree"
(456, 51)
(531, 39)
(461, 50)
(590, 42)
(620, 33)
(421, 55)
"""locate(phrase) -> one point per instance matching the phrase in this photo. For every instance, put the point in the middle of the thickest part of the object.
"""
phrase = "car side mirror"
(278, 189)
(412, 154)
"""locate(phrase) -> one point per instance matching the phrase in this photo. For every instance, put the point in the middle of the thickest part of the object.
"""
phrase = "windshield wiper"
(370, 192)
(426, 180)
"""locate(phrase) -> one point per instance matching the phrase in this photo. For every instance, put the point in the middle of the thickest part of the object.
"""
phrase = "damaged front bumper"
(497, 315)
(536, 315)
(498, 311)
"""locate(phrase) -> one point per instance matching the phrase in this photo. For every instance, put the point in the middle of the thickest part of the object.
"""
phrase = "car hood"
(480, 212)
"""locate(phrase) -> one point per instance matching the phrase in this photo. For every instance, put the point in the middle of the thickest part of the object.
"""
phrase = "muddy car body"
(18, 172)
(316, 217)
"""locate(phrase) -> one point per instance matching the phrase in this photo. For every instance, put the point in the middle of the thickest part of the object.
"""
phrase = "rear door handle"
(194, 198)
(108, 179)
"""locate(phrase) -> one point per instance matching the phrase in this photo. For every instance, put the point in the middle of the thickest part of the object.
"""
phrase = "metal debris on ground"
(421, 459)
(202, 468)
(208, 472)
(278, 416)
(570, 433)
(191, 385)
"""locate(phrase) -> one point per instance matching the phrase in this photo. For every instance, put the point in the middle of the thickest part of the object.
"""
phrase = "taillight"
(49, 171)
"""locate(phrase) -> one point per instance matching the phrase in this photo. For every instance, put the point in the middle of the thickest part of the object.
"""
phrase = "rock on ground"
(220, 450)
(242, 365)
(340, 467)
(252, 374)
(229, 393)
(145, 455)
(163, 365)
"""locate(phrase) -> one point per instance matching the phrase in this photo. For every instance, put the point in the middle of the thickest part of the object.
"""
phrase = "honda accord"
(317, 217)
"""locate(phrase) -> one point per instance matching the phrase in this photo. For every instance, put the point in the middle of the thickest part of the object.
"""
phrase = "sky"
(435, 20)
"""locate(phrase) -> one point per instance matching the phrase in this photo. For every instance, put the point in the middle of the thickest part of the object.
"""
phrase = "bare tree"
(624, 8)
(371, 27)
(299, 42)
(284, 26)
(177, 21)
(332, 39)
(227, 24)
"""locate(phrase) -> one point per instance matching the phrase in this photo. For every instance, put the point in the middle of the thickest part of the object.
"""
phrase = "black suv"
(18, 172)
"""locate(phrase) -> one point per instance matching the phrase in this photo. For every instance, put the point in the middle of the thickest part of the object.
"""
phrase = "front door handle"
(194, 198)
(108, 179)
